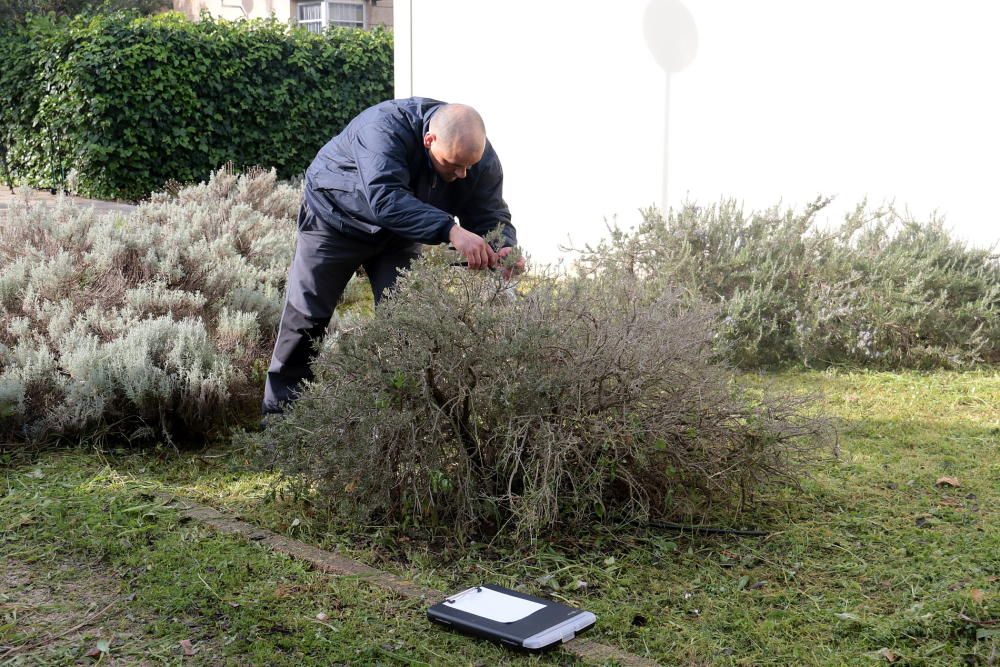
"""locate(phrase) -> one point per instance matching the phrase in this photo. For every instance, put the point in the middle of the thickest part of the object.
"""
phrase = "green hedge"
(132, 103)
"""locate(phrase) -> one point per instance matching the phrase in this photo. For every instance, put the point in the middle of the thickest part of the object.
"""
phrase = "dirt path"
(55, 612)
(66, 612)
(47, 198)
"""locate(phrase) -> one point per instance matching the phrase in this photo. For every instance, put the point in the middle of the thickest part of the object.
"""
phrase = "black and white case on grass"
(511, 618)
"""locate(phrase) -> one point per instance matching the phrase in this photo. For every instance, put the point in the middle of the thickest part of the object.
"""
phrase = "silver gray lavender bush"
(151, 324)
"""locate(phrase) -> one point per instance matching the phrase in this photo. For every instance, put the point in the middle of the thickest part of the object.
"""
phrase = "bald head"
(459, 126)
(455, 140)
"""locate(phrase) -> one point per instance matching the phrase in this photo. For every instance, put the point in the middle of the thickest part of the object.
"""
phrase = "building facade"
(313, 15)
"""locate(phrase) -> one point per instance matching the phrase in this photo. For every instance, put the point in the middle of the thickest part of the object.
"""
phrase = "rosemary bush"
(465, 405)
(153, 324)
(880, 290)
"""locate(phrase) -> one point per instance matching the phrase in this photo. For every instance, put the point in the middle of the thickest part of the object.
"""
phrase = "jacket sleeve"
(486, 208)
(384, 175)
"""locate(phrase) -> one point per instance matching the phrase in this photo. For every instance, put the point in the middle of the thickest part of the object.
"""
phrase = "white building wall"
(782, 100)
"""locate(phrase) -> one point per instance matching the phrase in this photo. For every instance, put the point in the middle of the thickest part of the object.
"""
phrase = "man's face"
(451, 161)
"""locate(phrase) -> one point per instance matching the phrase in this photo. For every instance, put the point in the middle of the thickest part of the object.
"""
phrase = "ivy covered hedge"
(131, 102)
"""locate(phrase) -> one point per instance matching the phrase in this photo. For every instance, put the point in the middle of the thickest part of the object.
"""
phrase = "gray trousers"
(325, 259)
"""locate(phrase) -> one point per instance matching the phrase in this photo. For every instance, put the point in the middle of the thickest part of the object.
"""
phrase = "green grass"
(238, 603)
(871, 559)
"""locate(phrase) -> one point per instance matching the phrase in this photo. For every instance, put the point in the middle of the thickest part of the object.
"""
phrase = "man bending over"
(396, 177)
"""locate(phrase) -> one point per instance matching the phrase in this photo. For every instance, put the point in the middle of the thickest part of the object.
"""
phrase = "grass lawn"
(873, 563)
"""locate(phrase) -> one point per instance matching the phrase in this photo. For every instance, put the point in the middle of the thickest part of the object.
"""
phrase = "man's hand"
(476, 251)
(518, 266)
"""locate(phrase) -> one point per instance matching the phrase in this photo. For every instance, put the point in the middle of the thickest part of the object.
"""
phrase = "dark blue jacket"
(376, 178)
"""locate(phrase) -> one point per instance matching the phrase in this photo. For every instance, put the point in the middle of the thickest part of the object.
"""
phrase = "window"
(310, 16)
(347, 14)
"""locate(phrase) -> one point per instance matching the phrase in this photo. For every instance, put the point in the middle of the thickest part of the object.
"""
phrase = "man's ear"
(429, 139)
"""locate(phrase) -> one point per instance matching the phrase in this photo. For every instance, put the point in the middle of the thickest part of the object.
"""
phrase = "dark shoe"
(269, 420)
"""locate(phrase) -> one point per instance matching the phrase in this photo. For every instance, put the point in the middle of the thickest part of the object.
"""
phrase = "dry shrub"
(470, 404)
(155, 323)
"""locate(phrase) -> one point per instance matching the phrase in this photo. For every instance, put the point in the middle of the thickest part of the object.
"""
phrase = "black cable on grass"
(709, 530)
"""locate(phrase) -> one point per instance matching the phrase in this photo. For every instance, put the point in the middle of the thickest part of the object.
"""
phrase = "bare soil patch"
(72, 612)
